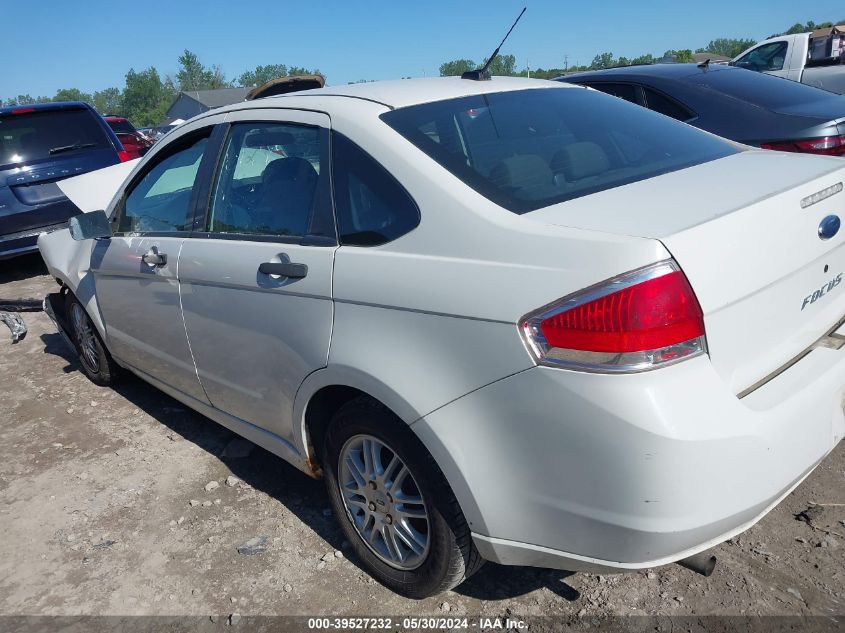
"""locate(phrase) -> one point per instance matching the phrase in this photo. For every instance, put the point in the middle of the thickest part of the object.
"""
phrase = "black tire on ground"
(97, 364)
(452, 556)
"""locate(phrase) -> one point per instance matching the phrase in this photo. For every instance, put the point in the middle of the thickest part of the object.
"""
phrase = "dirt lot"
(105, 509)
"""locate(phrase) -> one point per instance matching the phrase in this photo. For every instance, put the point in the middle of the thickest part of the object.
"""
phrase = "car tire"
(91, 352)
(449, 556)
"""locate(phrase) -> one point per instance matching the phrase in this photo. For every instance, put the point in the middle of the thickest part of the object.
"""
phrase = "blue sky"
(90, 45)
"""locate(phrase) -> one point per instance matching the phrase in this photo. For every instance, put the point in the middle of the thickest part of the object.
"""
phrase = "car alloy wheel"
(84, 333)
(383, 502)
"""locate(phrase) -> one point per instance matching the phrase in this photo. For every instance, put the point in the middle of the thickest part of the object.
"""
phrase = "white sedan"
(507, 320)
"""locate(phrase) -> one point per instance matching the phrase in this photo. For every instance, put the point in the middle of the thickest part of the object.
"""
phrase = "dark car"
(135, 143)
(40, 145)
(753, 108)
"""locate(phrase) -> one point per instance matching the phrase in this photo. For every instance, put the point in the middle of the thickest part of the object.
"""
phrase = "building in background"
(194, 102)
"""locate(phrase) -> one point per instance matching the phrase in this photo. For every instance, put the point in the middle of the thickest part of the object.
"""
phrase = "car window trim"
(206, 175)
(323, 195)
(178, 145)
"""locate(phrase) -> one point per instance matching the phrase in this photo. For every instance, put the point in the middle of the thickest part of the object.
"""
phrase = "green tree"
(648, 58)
(146, 97)
(502, 65)
(456, 67)
(603, 60)
(107, 101)
(298, 71)
(729, 47)
(192, 75)
(23, 100)
(683, 56)
(262, 74)
(72, 94)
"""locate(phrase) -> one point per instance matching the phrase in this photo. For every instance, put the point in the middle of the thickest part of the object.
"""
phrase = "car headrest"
(269, 138)
(287, 170)
(581, 160)
(522, 170)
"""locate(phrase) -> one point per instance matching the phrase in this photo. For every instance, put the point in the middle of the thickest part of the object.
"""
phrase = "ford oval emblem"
(829, 227)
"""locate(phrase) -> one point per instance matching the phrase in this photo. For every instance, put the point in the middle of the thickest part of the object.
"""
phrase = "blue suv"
(40, 145)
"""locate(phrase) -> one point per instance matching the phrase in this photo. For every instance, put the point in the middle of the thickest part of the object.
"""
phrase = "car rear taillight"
(123, 155)
(640, 320)
(23, 110)
(826, 145)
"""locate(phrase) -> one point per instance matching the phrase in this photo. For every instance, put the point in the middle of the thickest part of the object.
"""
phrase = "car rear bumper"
(23, 242)
(582, 471)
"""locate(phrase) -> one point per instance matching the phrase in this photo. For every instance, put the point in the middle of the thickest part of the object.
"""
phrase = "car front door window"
(160, 200)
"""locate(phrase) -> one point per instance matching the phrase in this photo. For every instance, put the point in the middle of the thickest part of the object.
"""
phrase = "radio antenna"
(483, 74)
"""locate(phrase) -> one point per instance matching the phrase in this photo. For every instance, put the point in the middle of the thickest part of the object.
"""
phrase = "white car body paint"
(555, 467)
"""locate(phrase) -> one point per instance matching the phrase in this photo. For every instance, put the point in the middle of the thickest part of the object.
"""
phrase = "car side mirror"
(90, 226)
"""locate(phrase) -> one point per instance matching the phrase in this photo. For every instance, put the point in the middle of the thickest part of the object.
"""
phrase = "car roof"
(45, 107)
(403, 92)
(664, 71)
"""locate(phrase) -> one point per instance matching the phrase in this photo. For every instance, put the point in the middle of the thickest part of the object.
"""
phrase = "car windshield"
(528, 149)
(760, 89)
(31, 136)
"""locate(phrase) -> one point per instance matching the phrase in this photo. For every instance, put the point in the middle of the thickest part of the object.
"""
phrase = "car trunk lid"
(768, 285)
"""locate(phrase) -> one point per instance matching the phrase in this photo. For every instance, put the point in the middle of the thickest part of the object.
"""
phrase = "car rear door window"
(160, 201)
(664, 105)
(268, 180)
(372, 207)
(34, 135)
(623, 91)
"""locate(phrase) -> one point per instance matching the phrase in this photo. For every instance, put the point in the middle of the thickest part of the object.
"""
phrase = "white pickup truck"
(816, 59)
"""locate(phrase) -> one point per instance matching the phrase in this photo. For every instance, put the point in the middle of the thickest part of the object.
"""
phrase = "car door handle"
(284, 269)
(154, 258)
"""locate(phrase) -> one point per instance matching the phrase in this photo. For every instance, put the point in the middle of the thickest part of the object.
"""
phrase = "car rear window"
(759, 89)
(121, 127)
(52, 133)
(528, 149)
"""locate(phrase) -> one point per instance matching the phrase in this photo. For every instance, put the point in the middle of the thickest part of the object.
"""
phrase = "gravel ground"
(123, 502)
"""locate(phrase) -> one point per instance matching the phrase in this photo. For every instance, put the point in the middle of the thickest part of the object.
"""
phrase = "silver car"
(506, 320)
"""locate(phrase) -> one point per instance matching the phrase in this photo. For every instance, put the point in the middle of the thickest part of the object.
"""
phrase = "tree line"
(726, 46)
(147, 95)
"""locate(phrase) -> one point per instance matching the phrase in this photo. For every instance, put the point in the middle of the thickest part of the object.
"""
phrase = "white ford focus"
(510, 320)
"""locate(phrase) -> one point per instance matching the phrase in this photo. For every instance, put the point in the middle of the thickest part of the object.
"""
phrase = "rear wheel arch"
(324, 392)
(319, 412)
(328, 400)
